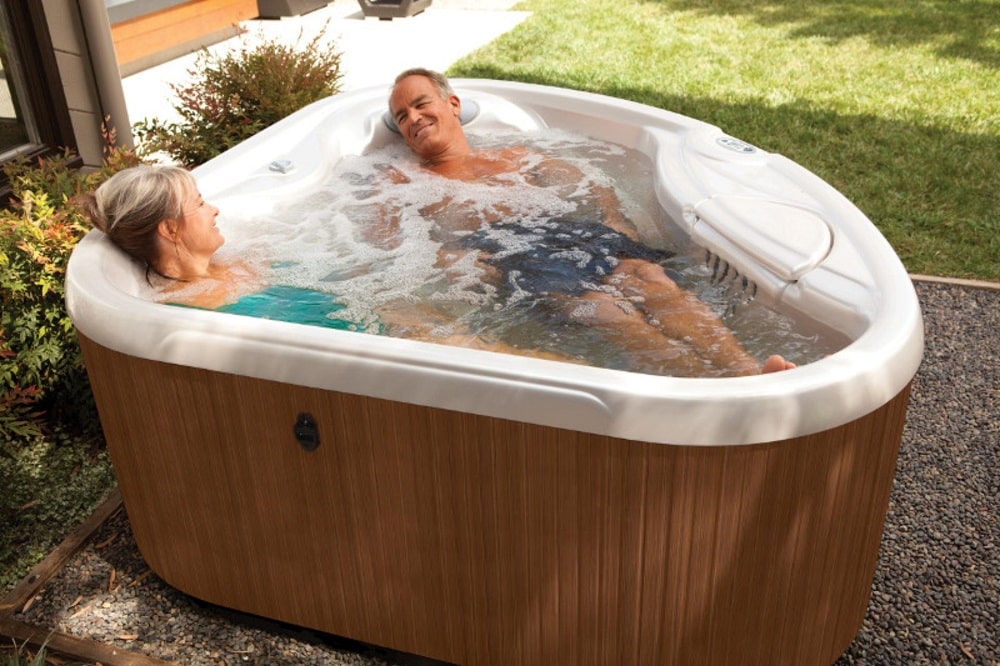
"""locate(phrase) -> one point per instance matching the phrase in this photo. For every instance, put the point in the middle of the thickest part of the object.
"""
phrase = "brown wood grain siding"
(147, 35)
(479, 540)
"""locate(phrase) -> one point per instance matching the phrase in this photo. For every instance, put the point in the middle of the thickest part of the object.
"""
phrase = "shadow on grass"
(963, 29)
(891, 170)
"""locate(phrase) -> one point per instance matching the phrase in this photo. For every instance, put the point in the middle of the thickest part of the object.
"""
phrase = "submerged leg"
(681, 317)
(626, 327)
(421, 321)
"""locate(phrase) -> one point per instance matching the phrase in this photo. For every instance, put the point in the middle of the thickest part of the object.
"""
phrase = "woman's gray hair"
(130, 205)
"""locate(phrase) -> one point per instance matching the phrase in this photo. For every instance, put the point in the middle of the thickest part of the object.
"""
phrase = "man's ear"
(456, 105)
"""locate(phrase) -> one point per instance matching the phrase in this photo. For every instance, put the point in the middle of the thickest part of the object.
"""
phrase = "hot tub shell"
(481, 508)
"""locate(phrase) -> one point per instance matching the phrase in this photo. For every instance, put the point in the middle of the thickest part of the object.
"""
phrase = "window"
(15, 133)
(34, 118)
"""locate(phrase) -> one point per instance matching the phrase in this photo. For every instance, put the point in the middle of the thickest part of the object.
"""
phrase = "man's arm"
(554, 173)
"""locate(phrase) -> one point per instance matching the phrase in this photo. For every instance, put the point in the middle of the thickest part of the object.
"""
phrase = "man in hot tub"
(594, 268)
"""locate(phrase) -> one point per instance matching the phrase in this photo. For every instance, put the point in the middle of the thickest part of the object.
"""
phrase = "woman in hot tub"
(156, 214)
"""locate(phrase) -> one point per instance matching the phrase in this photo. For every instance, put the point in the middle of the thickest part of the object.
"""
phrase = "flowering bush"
(234, 96)
(41, 370)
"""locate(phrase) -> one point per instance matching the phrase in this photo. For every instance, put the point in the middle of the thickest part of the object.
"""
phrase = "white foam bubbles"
(379, 230)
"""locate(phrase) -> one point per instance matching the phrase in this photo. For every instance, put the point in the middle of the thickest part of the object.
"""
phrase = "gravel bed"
(935, 598)
(108, 594)
(936, 594)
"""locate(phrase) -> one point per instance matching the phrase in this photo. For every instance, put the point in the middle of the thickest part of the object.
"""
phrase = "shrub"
(41, 369)
(236, 95)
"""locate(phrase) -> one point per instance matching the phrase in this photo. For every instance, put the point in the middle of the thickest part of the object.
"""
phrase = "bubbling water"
(384, 237)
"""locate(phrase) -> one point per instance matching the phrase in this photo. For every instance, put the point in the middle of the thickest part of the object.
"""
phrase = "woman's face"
(198, 233)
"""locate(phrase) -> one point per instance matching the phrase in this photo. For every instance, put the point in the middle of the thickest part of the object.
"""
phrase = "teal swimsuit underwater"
(558, 255)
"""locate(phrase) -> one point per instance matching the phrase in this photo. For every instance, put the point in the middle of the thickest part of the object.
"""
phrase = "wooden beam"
(15, 600)
(65, 645)
(55, 642)
(187, 24)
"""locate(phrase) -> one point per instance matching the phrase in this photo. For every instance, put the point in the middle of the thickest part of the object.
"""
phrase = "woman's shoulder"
(224, 284)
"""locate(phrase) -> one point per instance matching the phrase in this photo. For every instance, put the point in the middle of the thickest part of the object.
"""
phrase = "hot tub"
(483, 508)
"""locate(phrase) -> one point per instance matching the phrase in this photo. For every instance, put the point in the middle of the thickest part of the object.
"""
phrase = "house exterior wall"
(88, 71)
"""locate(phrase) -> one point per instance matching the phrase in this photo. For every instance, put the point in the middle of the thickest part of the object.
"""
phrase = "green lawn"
(894, 102)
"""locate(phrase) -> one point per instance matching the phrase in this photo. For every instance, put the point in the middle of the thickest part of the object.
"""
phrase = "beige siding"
(91, 84)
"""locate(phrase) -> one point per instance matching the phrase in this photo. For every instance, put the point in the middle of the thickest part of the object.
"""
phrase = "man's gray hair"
(438, 79)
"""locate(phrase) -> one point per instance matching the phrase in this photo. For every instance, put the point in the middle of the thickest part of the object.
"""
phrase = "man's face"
(428, 123)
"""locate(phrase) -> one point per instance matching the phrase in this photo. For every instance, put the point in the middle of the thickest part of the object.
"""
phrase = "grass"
(894, 102)
(13, 654)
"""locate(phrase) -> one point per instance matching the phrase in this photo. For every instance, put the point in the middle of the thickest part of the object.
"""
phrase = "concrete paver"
(373, 51)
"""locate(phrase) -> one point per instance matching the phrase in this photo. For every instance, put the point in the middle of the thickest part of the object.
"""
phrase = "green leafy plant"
(48, 485)
(53, 468)
(41, 369)
(234, 96)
